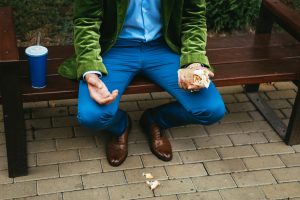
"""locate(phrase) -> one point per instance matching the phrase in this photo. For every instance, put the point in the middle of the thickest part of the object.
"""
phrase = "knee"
(211, 114)
(95, 119)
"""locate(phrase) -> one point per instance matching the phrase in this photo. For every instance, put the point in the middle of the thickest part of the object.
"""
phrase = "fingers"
(115, 94)
(210, 74)
(194, 87)
(180, 81)
(195, 66)
(99, 92)
(105, 99)
(111, 98)
(186, 85)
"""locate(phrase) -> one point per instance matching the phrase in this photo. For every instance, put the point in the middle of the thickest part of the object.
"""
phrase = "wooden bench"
(247, 60)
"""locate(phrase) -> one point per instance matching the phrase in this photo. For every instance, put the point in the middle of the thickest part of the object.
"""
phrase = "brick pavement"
(240, 157)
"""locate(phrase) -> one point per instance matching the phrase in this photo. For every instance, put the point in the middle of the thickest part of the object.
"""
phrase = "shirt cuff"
(92, 72)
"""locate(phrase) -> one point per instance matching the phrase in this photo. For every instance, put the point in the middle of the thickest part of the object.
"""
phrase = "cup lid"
(36, 50)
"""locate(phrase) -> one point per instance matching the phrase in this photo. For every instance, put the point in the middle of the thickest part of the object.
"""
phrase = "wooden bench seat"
(245, 59)
(241, 63)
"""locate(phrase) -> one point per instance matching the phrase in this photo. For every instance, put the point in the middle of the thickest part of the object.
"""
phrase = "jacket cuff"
(90, 66)
(186, 59)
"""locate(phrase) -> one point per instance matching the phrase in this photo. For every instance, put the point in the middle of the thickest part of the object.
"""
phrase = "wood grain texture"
(251, 59)
(285, 16)
(8, 42)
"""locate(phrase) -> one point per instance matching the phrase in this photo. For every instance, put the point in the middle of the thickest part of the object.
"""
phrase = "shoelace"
(118, 140)
(158, 132)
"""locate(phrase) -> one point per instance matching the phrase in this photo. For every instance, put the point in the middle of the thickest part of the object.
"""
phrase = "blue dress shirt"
(143, 21)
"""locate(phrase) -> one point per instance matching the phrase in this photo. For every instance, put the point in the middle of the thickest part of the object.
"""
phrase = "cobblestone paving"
(240, 157)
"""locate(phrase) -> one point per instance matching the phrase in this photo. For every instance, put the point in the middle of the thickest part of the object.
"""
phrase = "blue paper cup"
(37, 58)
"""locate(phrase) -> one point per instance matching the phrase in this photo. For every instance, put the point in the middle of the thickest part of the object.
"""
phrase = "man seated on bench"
(115, 41)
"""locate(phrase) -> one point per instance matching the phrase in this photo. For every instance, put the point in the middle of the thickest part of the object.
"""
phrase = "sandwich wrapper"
(197, 77)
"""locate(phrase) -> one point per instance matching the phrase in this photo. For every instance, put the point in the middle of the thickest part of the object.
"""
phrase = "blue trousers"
(155, 60)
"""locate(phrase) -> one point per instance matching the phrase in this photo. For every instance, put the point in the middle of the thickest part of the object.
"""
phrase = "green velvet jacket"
(97, 24)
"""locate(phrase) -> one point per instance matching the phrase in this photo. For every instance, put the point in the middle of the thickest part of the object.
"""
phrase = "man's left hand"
(188, 85)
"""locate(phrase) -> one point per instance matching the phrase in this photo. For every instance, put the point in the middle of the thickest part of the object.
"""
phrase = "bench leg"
(293, 131)
(252, 88)
(290, 134)
(268, 113)
(264, 26)
(13, 121)
(265, 21)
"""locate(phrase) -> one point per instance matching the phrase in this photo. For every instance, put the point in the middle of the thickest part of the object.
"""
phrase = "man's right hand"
(98, 90)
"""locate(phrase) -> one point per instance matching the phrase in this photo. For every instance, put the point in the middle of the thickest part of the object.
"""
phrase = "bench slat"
(249, 40)
(228, 42)
(227, 74)
(259, 60)
(59, 88)
(257, 72)
(216, 56)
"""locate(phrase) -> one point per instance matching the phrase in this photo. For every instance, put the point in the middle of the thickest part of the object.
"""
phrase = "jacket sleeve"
(194, 33)
(88, 16)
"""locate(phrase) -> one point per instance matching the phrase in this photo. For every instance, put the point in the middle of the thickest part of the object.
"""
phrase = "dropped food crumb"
(148, 175)
(153, 184)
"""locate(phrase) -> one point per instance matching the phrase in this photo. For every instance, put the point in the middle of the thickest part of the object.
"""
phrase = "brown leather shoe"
(159, 144)
(117, 148)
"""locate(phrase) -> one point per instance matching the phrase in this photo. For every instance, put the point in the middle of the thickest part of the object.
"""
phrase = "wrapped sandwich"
(198, 77)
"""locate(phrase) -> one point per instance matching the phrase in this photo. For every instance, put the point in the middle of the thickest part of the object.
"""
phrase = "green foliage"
(56, 15)
(296, 4)
(229, 15)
